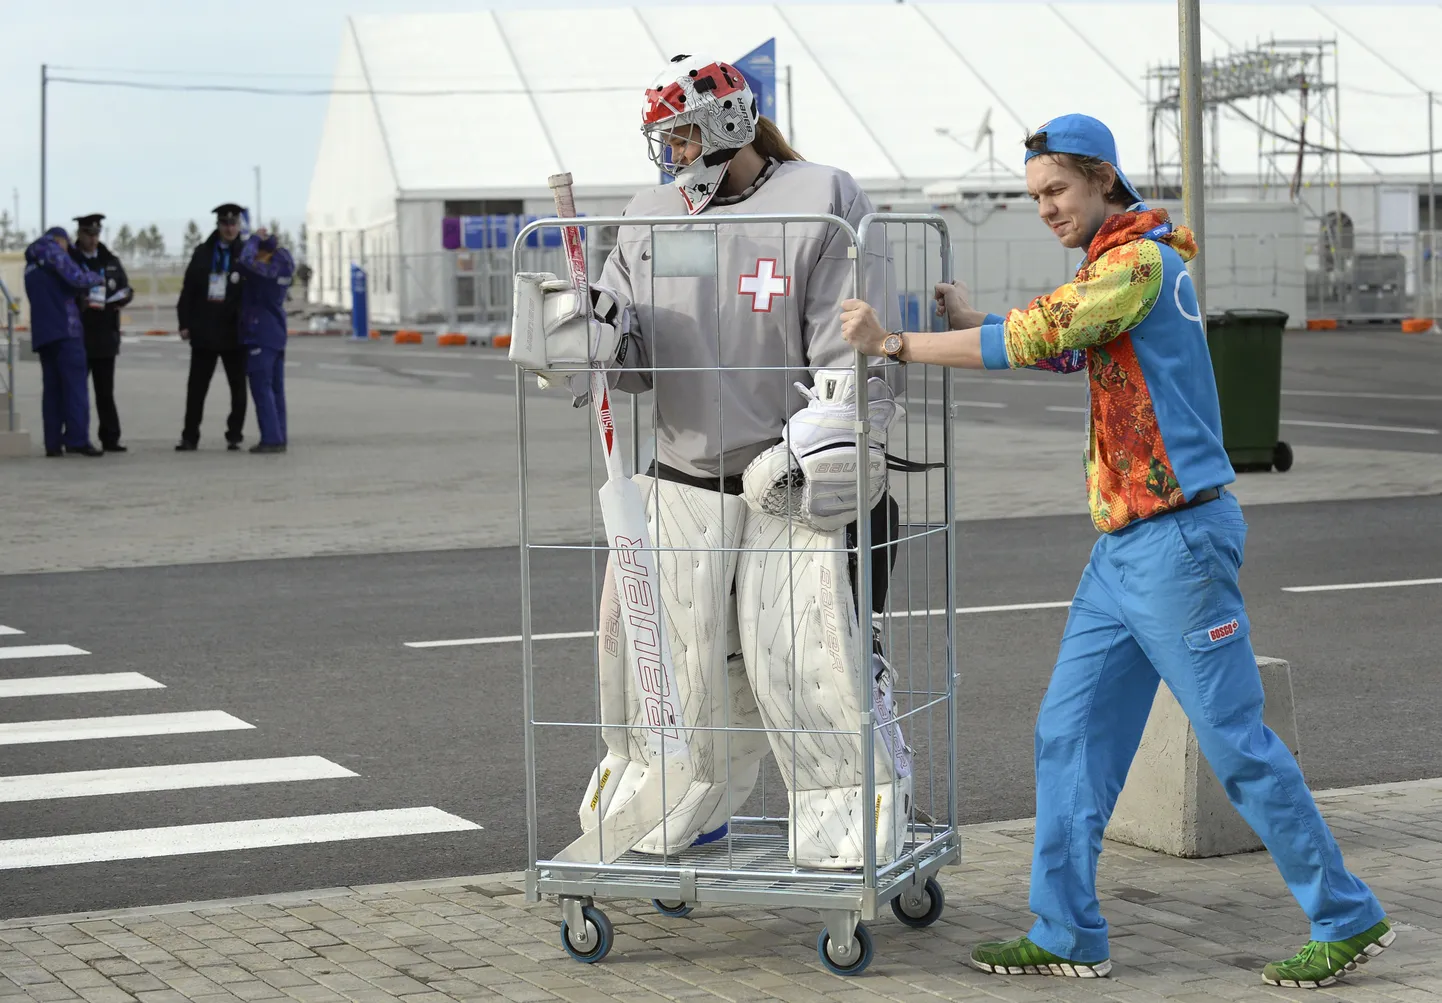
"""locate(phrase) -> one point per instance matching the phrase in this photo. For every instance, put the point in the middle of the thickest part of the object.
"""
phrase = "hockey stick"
(638, 586)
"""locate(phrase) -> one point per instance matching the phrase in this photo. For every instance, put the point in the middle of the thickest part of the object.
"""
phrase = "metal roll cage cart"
(750, 864)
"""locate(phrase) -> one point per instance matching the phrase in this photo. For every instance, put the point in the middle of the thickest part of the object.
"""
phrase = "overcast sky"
(166, 157)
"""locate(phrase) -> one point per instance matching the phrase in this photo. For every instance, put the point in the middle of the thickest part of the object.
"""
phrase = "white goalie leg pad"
(809, 668)
(621, 767)
(709, 806)
(696, 533)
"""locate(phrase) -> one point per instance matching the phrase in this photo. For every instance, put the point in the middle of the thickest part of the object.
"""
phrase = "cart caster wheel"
(856, 962)
(599, 937)
(674, 909)
(923, 910)
(1282, 457)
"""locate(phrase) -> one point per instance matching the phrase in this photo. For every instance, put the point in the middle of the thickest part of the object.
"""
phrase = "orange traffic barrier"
(157, 332)
(408, 338)
(1416, 325)
(501, 341)
(375, 335)
(1322, 324)
(451, 338)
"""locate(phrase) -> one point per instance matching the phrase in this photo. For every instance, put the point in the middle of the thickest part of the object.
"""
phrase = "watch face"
(892, 344)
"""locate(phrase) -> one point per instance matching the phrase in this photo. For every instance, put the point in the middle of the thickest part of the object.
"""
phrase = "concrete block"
(13, 444)
(1172, 801)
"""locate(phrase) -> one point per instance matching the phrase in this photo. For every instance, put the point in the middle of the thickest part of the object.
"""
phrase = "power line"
(1396, 95)
(1314, 148)
(329, 91)
(142, 71)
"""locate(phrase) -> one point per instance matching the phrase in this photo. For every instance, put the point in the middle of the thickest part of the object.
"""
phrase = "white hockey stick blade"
(628, 822)
(638, 585)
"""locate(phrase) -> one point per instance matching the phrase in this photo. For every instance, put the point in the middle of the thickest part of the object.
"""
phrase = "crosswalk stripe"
(179, 776)
(123, 726)
(41, 651)
(175, 840)
(97, 682)
(4, 630)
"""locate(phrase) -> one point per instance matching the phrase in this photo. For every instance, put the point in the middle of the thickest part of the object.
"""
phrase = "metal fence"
(1376, 278)
(813, 787)
(12, 309)
(156, 282)
(1373, 277)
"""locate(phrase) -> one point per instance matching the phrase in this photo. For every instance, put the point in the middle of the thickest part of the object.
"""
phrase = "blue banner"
(359, 313)
(495, 233)
(759, 68)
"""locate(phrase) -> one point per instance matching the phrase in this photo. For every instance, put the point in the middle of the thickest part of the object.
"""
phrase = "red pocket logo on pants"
(1222, 631)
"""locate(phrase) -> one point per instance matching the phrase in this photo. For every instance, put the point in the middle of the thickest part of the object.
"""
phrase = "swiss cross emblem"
(763, 284)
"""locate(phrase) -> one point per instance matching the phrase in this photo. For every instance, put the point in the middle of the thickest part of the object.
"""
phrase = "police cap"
(228, 212)
(90, 223)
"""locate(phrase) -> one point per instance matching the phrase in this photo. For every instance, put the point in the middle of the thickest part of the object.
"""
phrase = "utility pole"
(1431, 217)
(259, 218)
(790, 119)
(1189, 17)
(44, 84)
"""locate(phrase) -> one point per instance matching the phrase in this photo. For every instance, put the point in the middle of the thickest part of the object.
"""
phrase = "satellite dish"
(983, 130)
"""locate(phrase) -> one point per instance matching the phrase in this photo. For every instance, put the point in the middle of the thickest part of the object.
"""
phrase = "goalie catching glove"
(552, 335)
(811, 474)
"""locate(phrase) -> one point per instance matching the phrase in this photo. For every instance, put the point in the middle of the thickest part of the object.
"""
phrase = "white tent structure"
(451, 114)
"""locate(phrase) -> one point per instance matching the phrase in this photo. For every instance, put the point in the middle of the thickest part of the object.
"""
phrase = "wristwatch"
(892, 347)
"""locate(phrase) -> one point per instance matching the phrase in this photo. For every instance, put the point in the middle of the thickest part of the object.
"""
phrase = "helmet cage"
(714, 98)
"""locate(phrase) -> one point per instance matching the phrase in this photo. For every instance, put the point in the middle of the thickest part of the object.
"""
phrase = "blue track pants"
(266, 367)
(1159, 600)
(65, 394)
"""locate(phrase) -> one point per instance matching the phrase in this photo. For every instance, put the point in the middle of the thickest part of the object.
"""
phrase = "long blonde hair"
(771, 144)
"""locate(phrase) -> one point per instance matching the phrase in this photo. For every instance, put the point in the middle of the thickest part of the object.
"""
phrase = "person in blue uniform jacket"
(55, 284)
(1160, 598)
(268, 269)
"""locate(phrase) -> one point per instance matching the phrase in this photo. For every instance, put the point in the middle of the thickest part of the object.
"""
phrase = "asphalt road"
(1364, 389)
(312, 653)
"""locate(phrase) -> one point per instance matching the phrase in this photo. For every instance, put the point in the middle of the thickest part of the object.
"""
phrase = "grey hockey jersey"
(726, 317)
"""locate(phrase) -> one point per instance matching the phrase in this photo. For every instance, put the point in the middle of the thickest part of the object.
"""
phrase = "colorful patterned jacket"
(1154, 431)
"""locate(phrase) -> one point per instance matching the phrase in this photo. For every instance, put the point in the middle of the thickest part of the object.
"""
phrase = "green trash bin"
(1246, 350)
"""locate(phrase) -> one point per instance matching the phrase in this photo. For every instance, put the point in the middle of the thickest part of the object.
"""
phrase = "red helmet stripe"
(663, 103)
(728, 80)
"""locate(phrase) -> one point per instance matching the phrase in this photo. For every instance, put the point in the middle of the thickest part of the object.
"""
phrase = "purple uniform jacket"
(53, 282)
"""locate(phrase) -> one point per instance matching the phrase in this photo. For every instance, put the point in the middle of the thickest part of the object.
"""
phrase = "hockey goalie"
(751, 499)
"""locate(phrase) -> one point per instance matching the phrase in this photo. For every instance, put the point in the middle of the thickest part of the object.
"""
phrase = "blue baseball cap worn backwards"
(1082, 136)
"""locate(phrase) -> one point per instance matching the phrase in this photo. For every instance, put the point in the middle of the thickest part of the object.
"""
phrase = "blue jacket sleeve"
(54, 257)
(279, 266)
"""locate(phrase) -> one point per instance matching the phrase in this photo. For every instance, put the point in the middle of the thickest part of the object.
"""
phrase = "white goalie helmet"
(712, 96)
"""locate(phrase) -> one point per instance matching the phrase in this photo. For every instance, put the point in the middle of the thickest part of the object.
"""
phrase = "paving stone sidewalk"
(1188, 931)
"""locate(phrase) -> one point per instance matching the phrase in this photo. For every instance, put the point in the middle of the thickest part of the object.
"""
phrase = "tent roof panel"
(533, 91)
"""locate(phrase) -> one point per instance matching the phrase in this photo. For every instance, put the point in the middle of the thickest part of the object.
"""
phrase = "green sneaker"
(1321, 961)
(1022, 957)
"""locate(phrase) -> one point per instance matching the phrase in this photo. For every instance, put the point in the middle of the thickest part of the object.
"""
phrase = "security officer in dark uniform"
(100, 317)
(209, 315)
